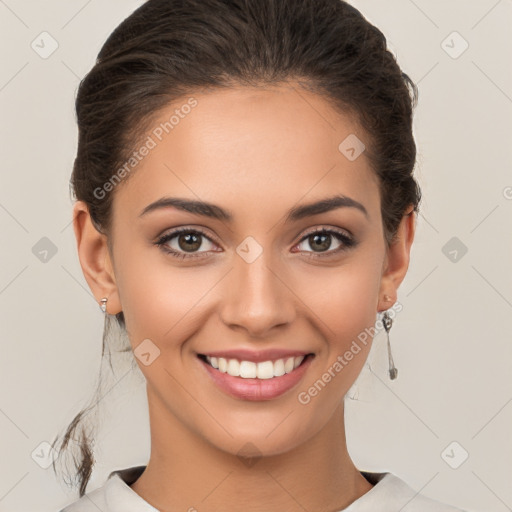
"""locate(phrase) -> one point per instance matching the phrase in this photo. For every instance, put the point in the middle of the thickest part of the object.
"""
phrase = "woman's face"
(259, 279)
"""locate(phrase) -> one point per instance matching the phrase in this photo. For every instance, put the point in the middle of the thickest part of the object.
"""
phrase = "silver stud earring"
(388, 322)
(103, 304)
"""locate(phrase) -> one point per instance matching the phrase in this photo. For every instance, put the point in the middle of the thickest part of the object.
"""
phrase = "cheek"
(344, 298)
(351, 305)
(345, 310)
(160, 301)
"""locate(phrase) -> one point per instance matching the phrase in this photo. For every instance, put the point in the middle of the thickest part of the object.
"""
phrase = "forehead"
(254, 150)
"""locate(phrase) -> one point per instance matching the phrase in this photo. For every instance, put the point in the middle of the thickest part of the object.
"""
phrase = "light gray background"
(451, 343)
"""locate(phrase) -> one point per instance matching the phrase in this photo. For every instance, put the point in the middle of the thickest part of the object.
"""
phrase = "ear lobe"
(94, 258)
(397, 258)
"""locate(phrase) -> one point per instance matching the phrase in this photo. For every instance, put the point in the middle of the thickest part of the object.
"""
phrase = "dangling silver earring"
(106, 323)
(388, 322)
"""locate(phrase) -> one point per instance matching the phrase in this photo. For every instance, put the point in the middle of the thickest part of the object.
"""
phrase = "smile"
(248, 380)
(250, 370)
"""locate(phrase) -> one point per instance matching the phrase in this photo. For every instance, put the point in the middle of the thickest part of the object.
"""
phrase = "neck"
(186, 472)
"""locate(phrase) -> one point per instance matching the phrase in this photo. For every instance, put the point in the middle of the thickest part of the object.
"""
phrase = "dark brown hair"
(168, 49)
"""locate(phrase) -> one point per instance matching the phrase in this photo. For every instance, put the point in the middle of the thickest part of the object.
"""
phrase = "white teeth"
(251, 370)
(279, 368)
(288, 366)
(233, 367)
(248, 369)
(265, 370)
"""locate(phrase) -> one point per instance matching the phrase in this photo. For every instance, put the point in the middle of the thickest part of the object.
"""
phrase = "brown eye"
(185, 243)
(320, 241)
(189, 241)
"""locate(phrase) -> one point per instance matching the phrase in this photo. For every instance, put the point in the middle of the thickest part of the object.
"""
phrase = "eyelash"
(347, 241)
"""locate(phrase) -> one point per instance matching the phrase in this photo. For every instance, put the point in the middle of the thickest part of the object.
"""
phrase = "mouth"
(263, 370)
(248, 380)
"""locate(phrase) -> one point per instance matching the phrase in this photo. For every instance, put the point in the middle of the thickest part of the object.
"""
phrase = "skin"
(257, 153)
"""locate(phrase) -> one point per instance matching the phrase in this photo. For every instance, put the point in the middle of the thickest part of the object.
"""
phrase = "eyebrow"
(216, 212)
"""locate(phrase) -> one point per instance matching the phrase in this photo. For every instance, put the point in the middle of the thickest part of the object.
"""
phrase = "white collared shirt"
(388, 494)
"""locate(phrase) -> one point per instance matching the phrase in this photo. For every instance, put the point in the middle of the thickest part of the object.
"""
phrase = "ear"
(396, 261)
(95, 258)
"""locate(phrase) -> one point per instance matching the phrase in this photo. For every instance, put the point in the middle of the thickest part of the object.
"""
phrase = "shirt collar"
(391, 490)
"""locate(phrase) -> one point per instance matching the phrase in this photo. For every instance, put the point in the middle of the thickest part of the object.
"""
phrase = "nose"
(257, 298)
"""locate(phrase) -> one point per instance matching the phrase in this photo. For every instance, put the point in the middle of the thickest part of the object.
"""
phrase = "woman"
(245, 207)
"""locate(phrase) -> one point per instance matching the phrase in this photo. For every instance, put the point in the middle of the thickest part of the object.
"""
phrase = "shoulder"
(392, 494)
(115, 495)
(90, 502)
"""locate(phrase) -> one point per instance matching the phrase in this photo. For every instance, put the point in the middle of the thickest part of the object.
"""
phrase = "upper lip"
(270, 354)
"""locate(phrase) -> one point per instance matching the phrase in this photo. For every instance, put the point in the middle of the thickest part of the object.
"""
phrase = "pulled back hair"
(167, 49)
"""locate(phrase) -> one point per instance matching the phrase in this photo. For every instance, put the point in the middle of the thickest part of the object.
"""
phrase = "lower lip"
(257, 389)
